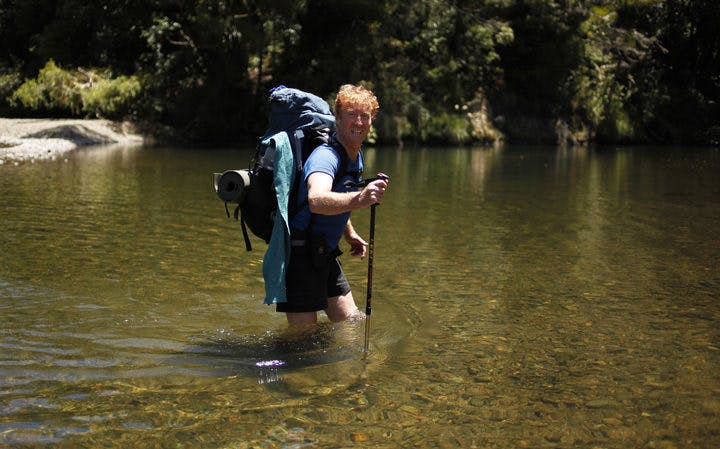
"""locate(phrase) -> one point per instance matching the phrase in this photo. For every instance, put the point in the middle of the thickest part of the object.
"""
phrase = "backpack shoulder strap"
(344, 162)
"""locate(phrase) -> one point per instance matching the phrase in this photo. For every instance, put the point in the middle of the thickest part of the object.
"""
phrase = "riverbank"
(24, 140)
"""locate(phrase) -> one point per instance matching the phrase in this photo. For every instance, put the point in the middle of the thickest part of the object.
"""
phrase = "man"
(315, 280)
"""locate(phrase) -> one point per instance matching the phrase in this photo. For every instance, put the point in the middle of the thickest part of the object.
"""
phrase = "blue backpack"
(308, 122)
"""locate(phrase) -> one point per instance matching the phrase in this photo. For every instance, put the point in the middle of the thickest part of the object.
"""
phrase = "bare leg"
(341, 308)
(301, 318)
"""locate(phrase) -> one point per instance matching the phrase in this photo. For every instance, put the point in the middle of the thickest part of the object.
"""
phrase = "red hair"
(356, 95)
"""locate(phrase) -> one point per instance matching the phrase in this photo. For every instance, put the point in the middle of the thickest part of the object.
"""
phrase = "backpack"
(308, 121)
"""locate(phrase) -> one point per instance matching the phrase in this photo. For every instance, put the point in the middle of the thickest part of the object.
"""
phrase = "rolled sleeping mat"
(229, 185)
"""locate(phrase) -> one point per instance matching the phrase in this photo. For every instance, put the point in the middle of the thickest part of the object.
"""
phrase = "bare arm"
(322, 200)
(358, 246)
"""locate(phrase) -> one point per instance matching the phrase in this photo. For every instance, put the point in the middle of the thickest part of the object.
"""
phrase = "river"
(522, 297)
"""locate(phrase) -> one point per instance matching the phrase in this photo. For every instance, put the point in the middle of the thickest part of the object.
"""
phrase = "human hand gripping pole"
(371, 253)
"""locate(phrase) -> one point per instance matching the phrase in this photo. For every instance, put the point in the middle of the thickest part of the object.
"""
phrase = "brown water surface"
(523, 297)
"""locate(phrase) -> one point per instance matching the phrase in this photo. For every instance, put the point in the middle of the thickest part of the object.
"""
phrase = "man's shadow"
(276, 356)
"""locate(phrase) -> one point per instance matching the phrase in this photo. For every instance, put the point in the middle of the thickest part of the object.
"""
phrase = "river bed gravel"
(27, 140)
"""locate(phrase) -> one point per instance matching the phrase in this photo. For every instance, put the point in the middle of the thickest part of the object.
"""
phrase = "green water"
(523, 297)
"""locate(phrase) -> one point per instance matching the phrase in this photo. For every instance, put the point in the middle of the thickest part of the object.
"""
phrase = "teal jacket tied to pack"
(277, 255)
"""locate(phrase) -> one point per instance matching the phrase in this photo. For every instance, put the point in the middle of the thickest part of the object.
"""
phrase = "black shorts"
(308, 285)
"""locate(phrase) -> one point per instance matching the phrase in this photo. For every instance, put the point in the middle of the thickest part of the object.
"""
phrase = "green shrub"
(9, 81)
(95, 93)
(453, 128)
(54, 89)
(111, 97)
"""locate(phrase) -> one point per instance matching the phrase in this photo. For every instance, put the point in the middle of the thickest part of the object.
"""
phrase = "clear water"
(523, 297)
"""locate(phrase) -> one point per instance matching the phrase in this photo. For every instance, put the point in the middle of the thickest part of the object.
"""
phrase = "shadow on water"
(275, 356)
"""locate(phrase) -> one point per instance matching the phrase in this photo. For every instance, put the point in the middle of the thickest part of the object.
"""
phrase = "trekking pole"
(368, 300)
(371, 253)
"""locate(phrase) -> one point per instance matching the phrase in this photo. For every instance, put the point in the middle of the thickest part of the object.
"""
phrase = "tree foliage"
(565, 71)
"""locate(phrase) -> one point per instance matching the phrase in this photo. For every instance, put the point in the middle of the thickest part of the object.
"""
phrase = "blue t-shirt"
(325, 159)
